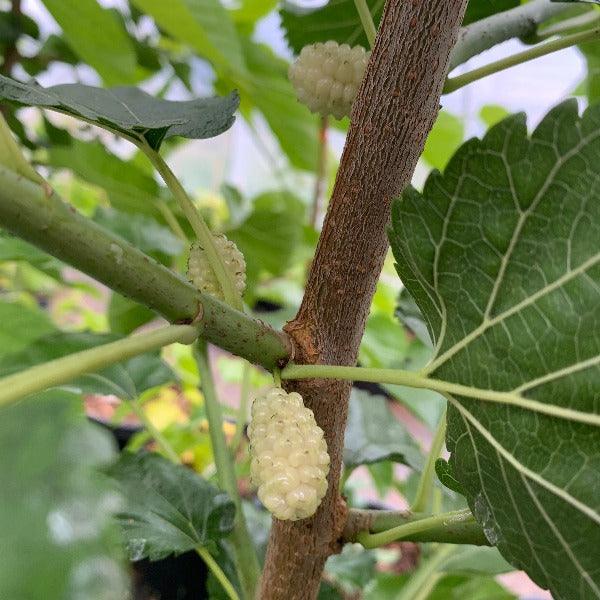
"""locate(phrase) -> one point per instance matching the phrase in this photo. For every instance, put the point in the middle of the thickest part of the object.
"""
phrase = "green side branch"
(522, 21)
(245, 556)
(41, 217)
(374, 528)
(454, 83)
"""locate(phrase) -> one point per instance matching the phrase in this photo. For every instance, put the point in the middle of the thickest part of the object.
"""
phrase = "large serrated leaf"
(127, 110)
(502, 255)
(374, 435)
(58, 539)
(169, 508)
(126, 380)
(338, 20)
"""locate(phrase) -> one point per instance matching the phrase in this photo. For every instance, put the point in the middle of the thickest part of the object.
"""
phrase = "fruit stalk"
(203, 233)
(367, 20)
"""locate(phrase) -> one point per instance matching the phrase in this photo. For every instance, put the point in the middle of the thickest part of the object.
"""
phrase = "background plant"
(499, 256)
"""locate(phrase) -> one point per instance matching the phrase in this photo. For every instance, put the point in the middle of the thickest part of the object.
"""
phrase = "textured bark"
(395, 110)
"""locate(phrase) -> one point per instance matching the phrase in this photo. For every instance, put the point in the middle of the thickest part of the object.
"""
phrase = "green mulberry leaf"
(502, 255)
(443, 470)
(169, 508)
(204, 25)
(128, 111)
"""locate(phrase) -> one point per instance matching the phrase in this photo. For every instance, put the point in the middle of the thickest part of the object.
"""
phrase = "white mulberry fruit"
(200, 272)
(326, 77)
(289, 459)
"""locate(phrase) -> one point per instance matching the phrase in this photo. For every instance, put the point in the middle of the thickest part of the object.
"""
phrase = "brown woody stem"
(394, 111)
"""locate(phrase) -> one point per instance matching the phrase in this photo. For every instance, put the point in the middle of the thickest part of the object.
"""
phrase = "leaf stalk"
(203, 233)
(454, 83)
(65, 369)
(245, 556)
(367, 20)
(216, 570)
(454, 519)
(424, 489)
(417, 380)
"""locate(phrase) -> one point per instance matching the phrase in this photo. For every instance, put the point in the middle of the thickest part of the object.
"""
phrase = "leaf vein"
(521, 468)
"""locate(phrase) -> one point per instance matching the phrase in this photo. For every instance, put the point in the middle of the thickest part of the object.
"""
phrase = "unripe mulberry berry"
(326, 77)
(289, 460)
(200, 272)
